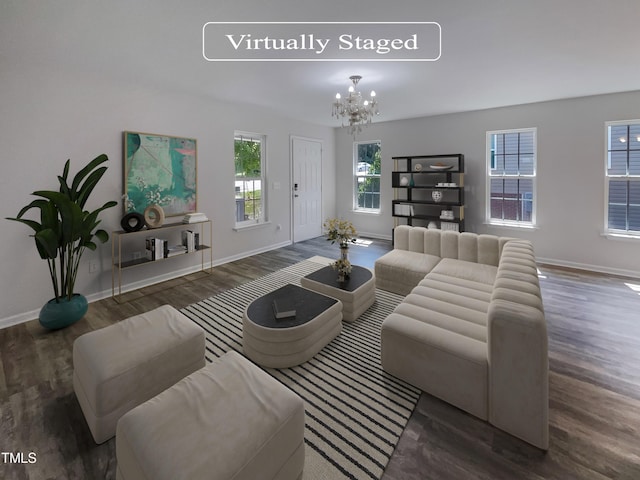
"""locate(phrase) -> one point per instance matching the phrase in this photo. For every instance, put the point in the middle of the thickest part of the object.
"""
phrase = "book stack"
(454, 227)
(156, 248)
(283, 308)
(403, 209)
(194, 218)
(175, 250)
(191, 240)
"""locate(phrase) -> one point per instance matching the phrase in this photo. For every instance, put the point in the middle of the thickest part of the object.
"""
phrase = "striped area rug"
(355, 412)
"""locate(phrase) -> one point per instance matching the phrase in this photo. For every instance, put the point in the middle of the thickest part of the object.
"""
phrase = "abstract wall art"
(160, 170)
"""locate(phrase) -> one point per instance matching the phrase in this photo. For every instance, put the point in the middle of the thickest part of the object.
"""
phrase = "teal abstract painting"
(160, 170)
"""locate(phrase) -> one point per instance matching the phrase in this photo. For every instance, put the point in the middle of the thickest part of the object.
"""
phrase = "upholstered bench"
(229, 419)
(118, 367)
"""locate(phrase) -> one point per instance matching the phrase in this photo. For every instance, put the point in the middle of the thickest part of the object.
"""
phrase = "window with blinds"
(511, 177)
(366, 167)
(622, 177)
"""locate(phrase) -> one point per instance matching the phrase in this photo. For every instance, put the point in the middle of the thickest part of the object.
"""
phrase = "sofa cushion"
(472, 328)
(448, 365)
(475, 272)
(450, 302)
(399, 271)
(468, 288)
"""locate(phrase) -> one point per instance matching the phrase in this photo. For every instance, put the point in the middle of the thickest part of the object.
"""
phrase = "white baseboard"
(374, 235)
(94, 297)
(19, 318)
(250, 253)
(589, 268)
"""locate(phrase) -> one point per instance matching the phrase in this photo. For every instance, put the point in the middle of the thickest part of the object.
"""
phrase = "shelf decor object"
(160, 170)
(440, 167)
(437, 181)
(154, 216)
(132, 222)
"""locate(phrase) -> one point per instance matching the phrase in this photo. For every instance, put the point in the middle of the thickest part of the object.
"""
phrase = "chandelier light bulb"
(373, 93)
(338, 97)
(351, 89)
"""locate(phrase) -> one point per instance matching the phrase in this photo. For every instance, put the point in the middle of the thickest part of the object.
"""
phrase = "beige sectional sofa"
(471, 329)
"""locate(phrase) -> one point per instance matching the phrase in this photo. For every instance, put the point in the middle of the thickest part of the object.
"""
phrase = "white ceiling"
(494, 52)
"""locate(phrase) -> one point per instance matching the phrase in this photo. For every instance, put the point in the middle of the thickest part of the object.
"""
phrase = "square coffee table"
(357, 293)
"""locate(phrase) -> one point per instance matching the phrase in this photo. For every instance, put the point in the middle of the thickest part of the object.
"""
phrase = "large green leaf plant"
(66, 229)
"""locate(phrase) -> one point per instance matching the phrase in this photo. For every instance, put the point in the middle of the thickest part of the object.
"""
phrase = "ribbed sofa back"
(471, 247)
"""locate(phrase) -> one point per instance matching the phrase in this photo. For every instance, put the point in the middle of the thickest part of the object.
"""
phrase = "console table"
(128, 248)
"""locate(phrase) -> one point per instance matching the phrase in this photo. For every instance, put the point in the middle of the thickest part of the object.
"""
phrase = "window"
(249, 159)
(366, 158)
(511, 167)
(622, 173)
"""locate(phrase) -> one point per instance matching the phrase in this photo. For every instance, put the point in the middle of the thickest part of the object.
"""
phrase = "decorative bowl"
(441, 167)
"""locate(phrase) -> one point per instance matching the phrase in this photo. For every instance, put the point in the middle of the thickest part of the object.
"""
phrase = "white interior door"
(306, 161)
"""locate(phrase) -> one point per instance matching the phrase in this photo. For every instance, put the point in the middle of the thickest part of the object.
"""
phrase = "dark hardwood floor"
(594, 357)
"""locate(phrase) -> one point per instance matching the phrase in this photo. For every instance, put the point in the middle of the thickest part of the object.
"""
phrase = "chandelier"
(354, 109)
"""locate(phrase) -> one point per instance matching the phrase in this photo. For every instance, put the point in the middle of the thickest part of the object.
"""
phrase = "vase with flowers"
(343, 232)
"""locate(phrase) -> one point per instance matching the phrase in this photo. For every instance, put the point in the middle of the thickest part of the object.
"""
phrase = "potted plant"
(63, 233)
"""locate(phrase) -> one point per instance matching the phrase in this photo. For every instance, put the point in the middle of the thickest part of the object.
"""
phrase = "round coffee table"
(285, 342)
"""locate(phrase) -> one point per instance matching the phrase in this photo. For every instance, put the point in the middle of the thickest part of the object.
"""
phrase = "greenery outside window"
(622, 176)
(249, 160)
(511, 177)
(366, 167)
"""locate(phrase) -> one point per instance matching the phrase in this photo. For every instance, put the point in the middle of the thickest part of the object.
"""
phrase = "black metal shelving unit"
(429, 191)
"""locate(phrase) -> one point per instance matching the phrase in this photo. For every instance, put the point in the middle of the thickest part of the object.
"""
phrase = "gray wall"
(570, 181)
(49, 116)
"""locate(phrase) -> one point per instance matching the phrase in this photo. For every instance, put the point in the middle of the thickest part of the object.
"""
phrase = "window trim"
(610, 232)
(489, 167)
(262, 138)
(355, 207)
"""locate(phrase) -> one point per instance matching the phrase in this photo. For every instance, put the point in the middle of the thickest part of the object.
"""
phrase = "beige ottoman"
(118, 367)
(227, 420)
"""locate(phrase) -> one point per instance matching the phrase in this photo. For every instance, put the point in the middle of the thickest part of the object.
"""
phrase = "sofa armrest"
(518, 370)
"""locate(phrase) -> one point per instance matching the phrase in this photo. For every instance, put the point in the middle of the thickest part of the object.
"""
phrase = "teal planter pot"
(55, 315)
